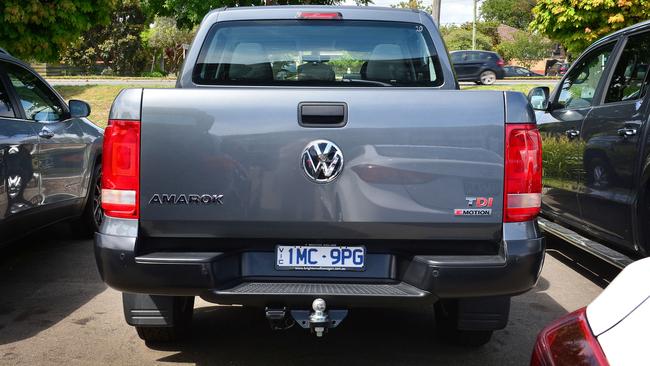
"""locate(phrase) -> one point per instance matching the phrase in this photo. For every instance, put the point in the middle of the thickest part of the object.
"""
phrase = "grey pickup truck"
(314, 160)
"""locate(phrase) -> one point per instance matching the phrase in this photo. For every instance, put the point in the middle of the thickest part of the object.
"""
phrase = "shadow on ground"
(43, 278)
(239, 336)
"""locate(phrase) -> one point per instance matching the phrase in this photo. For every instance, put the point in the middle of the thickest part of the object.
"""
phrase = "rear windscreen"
(318, 53)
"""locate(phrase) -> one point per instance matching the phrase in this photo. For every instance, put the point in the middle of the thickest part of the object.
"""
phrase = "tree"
(163, 36)
(515, 13)
(489, 29)
(189, 13)
(116, 45)
(459, 38)
(526, 48)
(576, 24)
(414, 4)
(41, 29)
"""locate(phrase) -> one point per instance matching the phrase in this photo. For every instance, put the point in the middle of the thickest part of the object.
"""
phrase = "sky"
(451, 11)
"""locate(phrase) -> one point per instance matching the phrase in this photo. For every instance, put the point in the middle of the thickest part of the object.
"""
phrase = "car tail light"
(121, 169)
(501, 63)
(523, 172)
(319, 15)
(568, 341)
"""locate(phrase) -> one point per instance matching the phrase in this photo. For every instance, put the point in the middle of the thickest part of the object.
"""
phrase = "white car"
(609, 331)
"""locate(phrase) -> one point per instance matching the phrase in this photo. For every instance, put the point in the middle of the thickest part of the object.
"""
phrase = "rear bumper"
(250, 278)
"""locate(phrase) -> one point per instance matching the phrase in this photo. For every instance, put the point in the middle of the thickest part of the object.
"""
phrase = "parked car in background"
(611, 331)
(376, 183)
(596, 151)
(558, 69)
(514, 71)
(481, 67)
(49, 155)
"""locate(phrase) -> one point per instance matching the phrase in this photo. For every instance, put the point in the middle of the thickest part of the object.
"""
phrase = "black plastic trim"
(213, 275)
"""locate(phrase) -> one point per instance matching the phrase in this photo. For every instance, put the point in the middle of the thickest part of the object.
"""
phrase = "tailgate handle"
(322, 114)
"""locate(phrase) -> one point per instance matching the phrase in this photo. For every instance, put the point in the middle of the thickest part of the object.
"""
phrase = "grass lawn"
(524, 88)
(100, 97)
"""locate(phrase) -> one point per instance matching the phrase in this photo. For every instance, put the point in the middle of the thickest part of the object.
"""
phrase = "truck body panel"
(431, 156)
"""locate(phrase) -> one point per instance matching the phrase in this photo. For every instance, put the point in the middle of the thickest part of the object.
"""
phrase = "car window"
(630, 78)
(473, 56)
(38, 101)
(580, 85)
(318, 53)
(488, 56)
(5, 103)
(457, 57)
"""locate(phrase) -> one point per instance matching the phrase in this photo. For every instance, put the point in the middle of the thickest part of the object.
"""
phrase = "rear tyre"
(91, 218)
(487, 77)
(446, 314)
(182, 312)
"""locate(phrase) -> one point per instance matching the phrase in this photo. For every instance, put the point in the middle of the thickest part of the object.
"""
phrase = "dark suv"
(596, 153)
(481, 67)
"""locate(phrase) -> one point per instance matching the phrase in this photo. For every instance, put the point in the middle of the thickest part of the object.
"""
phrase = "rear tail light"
(523, 173)
(500, 63)
(568, 341)
(121, 169)
(319, 15)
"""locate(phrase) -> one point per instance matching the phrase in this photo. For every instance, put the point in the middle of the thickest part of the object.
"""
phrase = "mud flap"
(149, 310)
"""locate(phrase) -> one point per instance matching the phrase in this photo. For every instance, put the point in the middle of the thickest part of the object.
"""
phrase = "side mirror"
(539, 98)
(78, 108)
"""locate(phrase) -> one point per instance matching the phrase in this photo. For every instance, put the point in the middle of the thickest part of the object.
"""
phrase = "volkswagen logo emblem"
(322, 161)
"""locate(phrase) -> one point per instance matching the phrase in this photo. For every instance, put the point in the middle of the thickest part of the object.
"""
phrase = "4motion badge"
(476, 206)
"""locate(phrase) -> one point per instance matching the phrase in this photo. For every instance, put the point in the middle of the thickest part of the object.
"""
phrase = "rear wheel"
(182, 311)
(446, 313)
(488, 77)
(89, 222)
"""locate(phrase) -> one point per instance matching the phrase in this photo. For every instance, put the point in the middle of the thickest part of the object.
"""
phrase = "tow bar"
(318, 322)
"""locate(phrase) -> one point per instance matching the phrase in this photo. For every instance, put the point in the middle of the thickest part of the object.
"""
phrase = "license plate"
(320, 257)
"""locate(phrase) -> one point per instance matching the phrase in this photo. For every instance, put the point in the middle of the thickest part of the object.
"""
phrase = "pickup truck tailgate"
(412, 159)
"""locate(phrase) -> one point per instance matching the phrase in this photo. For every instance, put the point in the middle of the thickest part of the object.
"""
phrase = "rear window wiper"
(374, 82)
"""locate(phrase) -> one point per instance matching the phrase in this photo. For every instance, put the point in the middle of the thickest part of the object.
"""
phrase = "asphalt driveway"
(55, 310)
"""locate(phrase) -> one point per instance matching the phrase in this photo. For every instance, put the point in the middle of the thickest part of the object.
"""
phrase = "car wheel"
(488, 77)
(182, 322)
(446, 314)
(93, 214)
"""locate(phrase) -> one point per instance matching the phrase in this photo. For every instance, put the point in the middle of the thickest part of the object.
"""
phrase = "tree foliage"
(414, 4)
(116, 45)
(526, 48)
(41, 29)
(189, 13)
(460, 38)
(576, 24)
(515, 13)
(165, 37)
(489, 29)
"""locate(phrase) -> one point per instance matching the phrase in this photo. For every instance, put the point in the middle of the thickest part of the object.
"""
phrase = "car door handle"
(627, 132)
(46, 133)
(572, 134)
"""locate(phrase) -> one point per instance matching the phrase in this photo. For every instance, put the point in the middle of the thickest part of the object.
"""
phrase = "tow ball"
(318, 322)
